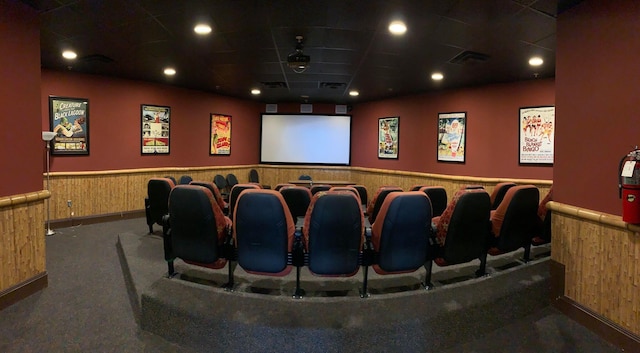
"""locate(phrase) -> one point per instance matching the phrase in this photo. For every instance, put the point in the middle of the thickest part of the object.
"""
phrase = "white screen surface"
(305, 139)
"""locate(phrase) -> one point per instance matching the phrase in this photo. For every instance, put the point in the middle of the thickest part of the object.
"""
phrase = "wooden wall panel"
(601, 255)
(22, 233)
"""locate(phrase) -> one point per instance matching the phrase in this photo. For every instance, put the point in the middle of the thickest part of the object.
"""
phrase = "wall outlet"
(68, 203)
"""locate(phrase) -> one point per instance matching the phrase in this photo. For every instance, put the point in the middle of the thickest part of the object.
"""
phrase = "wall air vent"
(469, 57)
(332, 85)
(274, 84)
(97, 58)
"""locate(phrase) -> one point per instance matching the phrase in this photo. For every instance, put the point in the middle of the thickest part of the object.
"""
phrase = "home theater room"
(319, 176)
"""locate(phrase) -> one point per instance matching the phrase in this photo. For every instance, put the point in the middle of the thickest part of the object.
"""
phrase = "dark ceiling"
(348, 41)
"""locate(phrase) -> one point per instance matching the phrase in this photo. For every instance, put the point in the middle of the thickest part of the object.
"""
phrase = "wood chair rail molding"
(591, 215)
(14, 200)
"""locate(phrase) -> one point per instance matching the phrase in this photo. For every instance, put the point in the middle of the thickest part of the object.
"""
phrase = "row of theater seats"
(333, 239)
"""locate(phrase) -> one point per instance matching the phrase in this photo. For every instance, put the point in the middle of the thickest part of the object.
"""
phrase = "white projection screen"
(305, 139)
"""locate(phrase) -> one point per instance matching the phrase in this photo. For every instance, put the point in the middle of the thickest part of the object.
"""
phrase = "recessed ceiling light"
(397, 27)
(68, 54)
(437, 76)
(354, 93)
(255, 91)
(536, 61)
(202, 29)
(169, 71)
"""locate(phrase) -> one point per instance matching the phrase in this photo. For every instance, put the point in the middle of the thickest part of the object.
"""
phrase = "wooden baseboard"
(70, 222)
(603, 327)
(22, 290)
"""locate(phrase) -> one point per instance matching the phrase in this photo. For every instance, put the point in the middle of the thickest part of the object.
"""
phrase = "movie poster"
(537, 125)
(388, 129)
(220, 134)
(452, 129)
(69, 120)
(155, 129)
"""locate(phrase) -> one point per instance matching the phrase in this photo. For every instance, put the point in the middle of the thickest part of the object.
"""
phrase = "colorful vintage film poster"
(155, 129)
(70, 121)
(451, 137)
(388, 137)
(537, 125)
(220, 134)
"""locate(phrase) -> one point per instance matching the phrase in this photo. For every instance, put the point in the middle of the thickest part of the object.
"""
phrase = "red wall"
(21, 147)
(115, 123)
(492, 130)
(597, 85)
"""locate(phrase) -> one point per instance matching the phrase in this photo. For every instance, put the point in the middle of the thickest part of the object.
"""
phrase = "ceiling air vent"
(274, 84)
(332, 85)
(469, 57)
(97, 58)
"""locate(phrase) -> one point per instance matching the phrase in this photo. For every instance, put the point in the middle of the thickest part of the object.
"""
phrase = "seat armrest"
(166, 238)
(368, 252)
(297, 258)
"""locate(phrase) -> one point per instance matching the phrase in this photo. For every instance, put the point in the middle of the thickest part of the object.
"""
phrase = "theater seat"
(231, 180)
(255, 178)
(462, 232)
(319, 187)
(498, 194)
(185, 180)
(216, 194)
(280, 186)
(221, 183)
(362, 191)
(297, 199)
(438, 197)
(263, 233)
(544, 220)
(235, 192)
(333, 234)
(515, 222)
(400, 234)
(157, 201)
(195, 229)
(378, 199)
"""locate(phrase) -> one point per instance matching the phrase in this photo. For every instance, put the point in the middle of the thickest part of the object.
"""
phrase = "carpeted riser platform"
(203, 317)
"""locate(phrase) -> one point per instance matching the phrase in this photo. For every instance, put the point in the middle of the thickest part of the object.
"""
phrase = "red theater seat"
(157, 201)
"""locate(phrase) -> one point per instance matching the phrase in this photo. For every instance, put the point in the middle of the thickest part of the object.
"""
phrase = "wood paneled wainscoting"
(22, 246)
(595, 270)
(112, 194)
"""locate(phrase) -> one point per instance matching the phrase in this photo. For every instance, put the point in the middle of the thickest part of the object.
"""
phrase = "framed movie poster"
(69, 119)
(220, 137)
(155, 124)
(537, 126)
(452, 130)
(388, 129)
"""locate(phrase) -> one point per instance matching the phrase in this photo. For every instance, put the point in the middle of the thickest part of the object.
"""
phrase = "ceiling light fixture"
(169, 71)
(397, 28)
(437, 76)
(297, 61)
(69, 54)
(255, 91)
(536, 61)
(202, 29)
(354, 93)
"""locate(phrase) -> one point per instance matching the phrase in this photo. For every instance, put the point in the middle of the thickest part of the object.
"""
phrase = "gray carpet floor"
(87, 308)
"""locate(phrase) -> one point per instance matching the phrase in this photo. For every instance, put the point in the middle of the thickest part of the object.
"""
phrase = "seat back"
(515, 221)
(185, 180)
(158, 190)
(235, 192)
(278, 187)
(220, 182)
(304, 177)
(438, 197)
(214, 190)
(232, 180)
(263, 230)
(498, 194)
(400, 234)
(198, 227)
(417, 187)
(378, 199)
(253, 176)
(297, 199)
(333, 233)
(544, 217)
(362, 191)
(172, 179)
(463, 230)
(319, 187)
